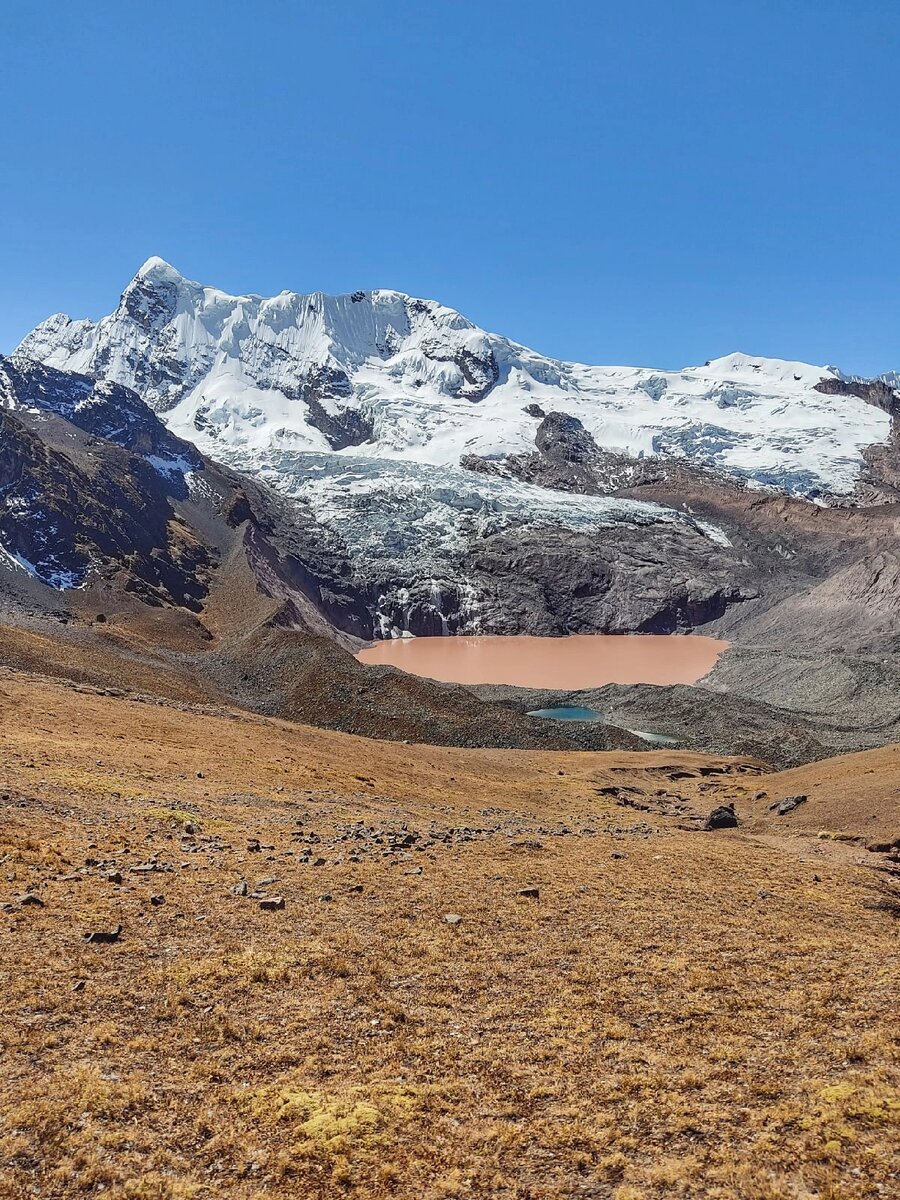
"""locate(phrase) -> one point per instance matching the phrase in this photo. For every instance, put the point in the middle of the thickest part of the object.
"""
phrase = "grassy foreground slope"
(675, 1013)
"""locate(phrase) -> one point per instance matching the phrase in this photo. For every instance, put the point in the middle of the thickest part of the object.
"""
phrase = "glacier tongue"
(382, 375)
(413, 519)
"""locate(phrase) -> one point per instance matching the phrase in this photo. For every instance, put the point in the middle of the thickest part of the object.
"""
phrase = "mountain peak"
(753, 366)
(156, 268)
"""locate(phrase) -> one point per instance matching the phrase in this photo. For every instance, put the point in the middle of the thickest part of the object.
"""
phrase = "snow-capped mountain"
(463, 482)
(384, 376)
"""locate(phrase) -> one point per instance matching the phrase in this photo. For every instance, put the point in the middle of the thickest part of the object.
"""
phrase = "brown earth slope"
(674, 1013)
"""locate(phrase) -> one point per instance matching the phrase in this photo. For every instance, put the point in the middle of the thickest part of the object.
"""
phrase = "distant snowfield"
(232, 374)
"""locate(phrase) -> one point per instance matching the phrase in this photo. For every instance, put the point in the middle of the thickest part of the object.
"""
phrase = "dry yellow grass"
(677, 1014)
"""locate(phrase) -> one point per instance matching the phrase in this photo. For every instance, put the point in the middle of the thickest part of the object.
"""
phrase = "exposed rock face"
(561, 438)
(438, 551)
(340, 430)
(88, 477)
(341, 426)
(93, 508)
(106, 410)
(479, 371)
(93, 487)
(856, 606)
(624, 580)
(567, 458)
(307, 577)
(878, 392)
(879, 482)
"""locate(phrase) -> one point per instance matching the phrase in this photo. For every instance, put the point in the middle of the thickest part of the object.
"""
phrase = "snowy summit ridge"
(385, 376)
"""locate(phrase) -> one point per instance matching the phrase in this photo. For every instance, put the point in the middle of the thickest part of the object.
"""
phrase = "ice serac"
(386, 376)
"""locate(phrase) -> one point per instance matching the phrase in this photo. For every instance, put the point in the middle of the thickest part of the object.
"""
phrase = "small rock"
(272, 903)
(617, 854)
(114, 876)
(79, 985)
(356, 889)
(532, 893)
(788, 804)
(157, 900)
(253, 845)
(764, 894)
(240, 889)
(452, 918)
(104, 937)
(30, 898)
(326, 897)
(413, 871)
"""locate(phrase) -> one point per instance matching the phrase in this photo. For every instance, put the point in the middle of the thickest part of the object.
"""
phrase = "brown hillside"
(675, 1013)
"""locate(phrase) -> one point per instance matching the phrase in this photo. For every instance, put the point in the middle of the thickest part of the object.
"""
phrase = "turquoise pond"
(572, 712)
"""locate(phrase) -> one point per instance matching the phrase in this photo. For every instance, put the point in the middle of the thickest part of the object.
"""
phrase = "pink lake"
(567, 663)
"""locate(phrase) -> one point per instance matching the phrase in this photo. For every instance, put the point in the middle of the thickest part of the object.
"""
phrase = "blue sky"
(645, 182)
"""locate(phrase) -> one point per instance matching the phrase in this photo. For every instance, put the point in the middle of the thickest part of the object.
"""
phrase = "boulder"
(723, 817)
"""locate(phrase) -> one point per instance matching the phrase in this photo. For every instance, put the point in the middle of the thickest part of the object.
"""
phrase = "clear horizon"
(604, 184)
